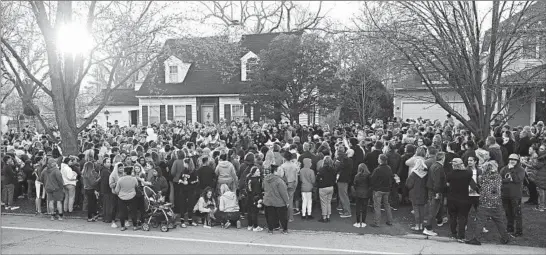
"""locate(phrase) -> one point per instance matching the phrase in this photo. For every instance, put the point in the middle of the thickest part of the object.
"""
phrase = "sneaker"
(346, 215)
(7, 208)
(14, 208)
(415, 228)
(284, 232)
(183, 225)
(52, 218)
(429, 232)
(297, 212)
(460, 240)
(206, 226)
(356, 225)
(249, 228)
(291, 220)
(270, 232)
(193, 224)
(445, 220)
(136, 228)
(257, 229)
(238, 224)
(226, 226)
(91, 220)
(339, 209)
(322, 220)
(440, 224)
(127, 224)
(309, 217)
(114, 225)
(363, 225)
(484, 230)
(374, 225)
(123, 228)
(412, 212)
(394, 209)
(60, 218)
(473, 242)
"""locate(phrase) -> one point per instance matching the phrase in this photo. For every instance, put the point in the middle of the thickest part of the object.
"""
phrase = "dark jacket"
(275, 191)
(382, 178)
(393, 160)
(344, 167)
(459, 181)
(357, 158)
(362, 185)
(54, 182)
(403, 170)
(159, 183)
(496, 153)
(436, 181)
(206, 177)
(104, 185)
(326, 177)
(371, 159)
(314, 159)
(447, 163)
(10, 177)
(523, 146)
(512, 181)
(417, 187)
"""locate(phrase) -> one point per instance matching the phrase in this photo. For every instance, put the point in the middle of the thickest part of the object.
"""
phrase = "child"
(307, 177)
(206, 207)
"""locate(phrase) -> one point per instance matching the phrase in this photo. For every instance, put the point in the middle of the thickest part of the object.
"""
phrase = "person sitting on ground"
(206, 207)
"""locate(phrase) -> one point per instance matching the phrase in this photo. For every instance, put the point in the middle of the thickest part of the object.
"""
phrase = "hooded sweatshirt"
(307, 176)
(226, 172)
(228, 202)
(275, 191)
(54, 181)
(69, 176)
(459, 181)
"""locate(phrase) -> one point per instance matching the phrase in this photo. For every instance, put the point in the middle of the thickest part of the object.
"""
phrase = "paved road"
(22, 234)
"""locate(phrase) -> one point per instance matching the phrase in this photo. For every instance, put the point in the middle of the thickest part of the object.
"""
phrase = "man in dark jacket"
(381, 181)
(436, 184)
(371, 158)
(9, 181)
(393, 160)
(494, 150)
(458, 201)
(344, 168)
(512, 185)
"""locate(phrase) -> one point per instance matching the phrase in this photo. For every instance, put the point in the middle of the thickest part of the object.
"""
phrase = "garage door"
(414, 110)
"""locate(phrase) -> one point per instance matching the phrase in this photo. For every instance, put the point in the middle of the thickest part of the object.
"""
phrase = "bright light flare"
(74, 39)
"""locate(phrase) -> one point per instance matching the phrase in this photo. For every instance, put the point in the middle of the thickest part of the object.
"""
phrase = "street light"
(106, 114)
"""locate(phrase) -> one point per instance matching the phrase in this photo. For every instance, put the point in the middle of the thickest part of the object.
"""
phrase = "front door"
(207, 113)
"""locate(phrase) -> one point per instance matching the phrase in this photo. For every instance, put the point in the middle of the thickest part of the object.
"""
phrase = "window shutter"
(145, 115)
(248, 111)
(162, 116)
(227, 112)
(188, 114)
(170, 112)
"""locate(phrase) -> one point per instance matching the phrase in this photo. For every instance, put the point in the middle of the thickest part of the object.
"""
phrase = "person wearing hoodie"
(54, 187)
(344, 166)
(361, 185)
(458, 201)
(276, 202)
(247, 165)
(69, 179)
(495, 151)
(512, 192)
(91, 179)
(112, 182)
(108, 199)
(188, 181)
(228, 207)
(9, 181)
(225, 174)
(307, 176)
(326, 179)
(254, 200)
(176, 171)
(490, 205)
(417, 186)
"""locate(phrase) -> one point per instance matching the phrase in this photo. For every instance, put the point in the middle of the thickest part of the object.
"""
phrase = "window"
(237, 111)
(173, 73)
(180, 113)
(154, 114)
(530, 47)
(251, 68)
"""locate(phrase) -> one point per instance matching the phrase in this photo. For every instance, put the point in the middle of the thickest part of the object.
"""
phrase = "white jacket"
(69, 176)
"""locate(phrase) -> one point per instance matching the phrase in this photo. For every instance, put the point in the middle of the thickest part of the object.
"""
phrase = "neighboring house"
(122, 107)
(412, 99)
(187, 86)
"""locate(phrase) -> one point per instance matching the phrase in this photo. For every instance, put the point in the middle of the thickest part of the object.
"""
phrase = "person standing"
(276, 202)
(361, 186)
(291, 172)
(381, 180)
(91, 180)
(458, 201)
(69, 179)
(54, 187)
(326, 179)
(490, 204)
(126, 190)
(344, 166)
(436, 184)
(307, 176)
(417, 186)
(9, 179)
(512, 192)
(108, 199)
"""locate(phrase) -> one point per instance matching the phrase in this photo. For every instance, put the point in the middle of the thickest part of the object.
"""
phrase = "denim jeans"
(434, 206)
(512, 208)
(8, 192)
(361, 209)
(325, 195)
(378, 198)
(291, 189)
(69, 195)
(541, 198)
(342, 189)
(496, 215)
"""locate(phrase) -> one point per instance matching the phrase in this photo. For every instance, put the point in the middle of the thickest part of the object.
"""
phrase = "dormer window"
(173, 73)
(249, 64)
(175, 70)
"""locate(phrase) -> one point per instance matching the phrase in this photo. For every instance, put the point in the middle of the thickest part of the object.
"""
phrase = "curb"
(424, 237)
(42, 215)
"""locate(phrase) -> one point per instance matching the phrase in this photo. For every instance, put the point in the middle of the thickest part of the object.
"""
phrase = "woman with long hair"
(91, 180)
(206, 207)
(326, 179)
(362, 194)
(139, 174)
(188, 181)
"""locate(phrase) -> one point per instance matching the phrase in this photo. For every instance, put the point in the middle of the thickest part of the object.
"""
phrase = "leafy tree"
(294, 75)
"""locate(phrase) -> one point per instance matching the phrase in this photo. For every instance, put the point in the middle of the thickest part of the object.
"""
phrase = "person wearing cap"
(512, 192)
(458, 201)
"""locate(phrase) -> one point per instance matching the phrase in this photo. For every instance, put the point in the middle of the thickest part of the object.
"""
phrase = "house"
(190, 85)
(122, 107)
(412, 99)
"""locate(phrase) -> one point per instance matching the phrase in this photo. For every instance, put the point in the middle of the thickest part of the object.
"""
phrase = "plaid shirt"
(490, 195)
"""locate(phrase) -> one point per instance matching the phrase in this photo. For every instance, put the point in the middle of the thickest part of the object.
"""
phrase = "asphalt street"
(32, 235)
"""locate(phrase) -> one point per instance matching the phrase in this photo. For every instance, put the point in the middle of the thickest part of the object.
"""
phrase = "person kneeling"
(206, 208)
(228, 212)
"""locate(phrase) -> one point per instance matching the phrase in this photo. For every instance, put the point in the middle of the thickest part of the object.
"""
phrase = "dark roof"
(205, 75)
(118, 97)
(535, 76)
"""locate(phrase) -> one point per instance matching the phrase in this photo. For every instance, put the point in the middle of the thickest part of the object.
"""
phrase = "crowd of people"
(222, 174)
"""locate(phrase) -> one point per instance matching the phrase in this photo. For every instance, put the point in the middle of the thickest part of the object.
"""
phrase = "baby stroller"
(158, 213)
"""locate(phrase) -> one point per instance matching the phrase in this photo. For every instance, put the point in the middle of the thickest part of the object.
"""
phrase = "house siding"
(171, 101)
(227, 100)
